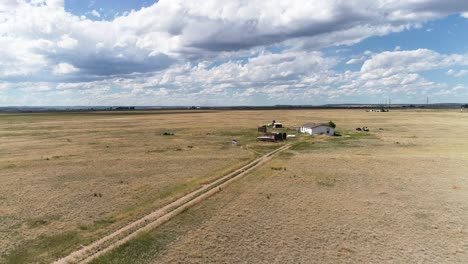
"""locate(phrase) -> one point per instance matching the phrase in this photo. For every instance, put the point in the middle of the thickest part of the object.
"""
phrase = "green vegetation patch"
(305, 145)
(353, 135)
(342, 139)
(142, 248)
(148, 246)
(105, 222)
(286, 155)
(45, 248)
(37, 222)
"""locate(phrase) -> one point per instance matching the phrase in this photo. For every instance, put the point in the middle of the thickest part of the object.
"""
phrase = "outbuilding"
(275, 124)
(317, 129)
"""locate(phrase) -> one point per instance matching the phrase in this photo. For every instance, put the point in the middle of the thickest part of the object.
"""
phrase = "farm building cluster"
(308, 128)
(317, 129)
(378, 110)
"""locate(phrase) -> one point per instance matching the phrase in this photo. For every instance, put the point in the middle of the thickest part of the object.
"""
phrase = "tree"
(331, 124)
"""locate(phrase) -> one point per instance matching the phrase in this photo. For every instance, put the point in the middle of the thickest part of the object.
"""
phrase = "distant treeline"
(118, 108)
(130, 108)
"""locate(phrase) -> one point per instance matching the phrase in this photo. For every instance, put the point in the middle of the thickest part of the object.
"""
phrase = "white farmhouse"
(317, 129)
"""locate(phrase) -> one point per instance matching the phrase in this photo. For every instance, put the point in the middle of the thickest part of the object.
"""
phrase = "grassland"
(395, 194)
(69, 178)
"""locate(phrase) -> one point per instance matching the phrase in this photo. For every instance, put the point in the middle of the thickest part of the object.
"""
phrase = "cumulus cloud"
(185, 46)
(261, 72)
(66, 42)
(459, 73)
(290, 77)
(64, 68)
(55, 3)
(95, 13)
(285, 77)
(6, 5)
(358, 59)
(188, 30)
(391, 62)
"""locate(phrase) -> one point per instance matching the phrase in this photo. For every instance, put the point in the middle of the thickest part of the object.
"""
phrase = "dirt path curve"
(162, 215)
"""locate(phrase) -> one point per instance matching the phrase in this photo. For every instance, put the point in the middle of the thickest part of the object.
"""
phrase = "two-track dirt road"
(160, 216)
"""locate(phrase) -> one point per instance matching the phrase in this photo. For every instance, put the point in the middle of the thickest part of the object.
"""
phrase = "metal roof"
(314, 125)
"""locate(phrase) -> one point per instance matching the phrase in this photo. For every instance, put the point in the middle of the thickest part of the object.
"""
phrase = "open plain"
(394, 194)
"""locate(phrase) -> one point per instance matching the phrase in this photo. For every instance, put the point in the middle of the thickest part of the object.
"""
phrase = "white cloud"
(465, 14)
(64, 68)
(55, 3)
(6, 5)
(194, 48)
(4, 86)
(95, 13)
(391, 62)
(356, 60)
(459, 73)
(66, 42)
(189, 30)
(34, 88)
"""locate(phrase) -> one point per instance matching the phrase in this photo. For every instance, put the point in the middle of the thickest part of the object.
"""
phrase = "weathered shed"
(278, 136)
(262, 129)
(267, 138)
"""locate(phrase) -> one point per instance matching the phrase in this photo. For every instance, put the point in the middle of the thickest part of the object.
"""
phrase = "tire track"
(162, 215)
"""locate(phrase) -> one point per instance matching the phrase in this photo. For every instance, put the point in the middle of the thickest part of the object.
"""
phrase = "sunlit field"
(393, 194)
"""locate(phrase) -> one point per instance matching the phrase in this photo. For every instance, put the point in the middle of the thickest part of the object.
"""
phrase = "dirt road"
(160, 216)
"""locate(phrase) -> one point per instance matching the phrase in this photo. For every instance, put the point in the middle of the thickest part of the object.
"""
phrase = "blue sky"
(107, 9)
(175, 52)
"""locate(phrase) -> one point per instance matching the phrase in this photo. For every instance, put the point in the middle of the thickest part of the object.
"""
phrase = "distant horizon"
(214, 106)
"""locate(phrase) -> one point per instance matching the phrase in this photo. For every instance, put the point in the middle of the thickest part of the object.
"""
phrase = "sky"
(237, 52)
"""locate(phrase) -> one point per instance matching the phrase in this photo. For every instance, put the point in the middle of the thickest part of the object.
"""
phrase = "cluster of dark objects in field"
(278, 168)
(366, 129)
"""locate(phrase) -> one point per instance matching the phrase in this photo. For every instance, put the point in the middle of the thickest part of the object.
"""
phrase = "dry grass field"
(395, 194)
(69, 178)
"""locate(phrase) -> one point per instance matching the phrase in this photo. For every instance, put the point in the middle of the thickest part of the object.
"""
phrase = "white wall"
(306, 130)
(321, 130)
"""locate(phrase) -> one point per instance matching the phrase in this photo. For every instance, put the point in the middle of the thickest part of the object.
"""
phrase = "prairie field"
(397, 193)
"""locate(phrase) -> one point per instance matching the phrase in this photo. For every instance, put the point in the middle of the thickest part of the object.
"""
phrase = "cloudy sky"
(236, 52)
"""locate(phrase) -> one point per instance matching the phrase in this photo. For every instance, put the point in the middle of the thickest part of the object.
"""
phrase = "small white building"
(317, 129)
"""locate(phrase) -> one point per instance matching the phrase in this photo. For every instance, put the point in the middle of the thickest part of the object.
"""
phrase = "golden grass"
(73, 177)
(90, 173)
(355, 199)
